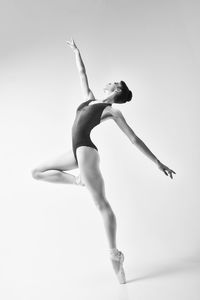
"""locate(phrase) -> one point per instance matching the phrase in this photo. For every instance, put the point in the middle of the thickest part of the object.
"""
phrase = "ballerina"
(84, 155)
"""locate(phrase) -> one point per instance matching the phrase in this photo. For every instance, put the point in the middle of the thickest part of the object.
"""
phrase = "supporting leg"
(117, 257)
(109, 221)
(88, 161)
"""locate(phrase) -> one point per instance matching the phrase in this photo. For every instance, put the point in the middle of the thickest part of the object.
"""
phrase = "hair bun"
(129, 96)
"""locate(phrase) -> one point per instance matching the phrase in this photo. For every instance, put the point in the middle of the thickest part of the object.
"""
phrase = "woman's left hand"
(165, 169)
(72, 45)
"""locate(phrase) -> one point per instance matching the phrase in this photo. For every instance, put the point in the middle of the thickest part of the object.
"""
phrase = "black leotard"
(87, 117)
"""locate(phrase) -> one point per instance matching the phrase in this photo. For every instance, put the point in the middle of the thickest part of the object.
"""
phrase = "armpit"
(106, 115)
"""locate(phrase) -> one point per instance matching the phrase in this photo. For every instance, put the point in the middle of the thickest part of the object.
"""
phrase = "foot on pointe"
(117, 259)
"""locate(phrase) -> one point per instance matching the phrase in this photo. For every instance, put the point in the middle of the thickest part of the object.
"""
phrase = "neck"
(109, 99)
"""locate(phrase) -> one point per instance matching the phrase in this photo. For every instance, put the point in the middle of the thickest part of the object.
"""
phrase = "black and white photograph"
(99, 104)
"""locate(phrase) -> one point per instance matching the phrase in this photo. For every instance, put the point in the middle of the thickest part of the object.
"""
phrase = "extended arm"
(82, 71)
(121, 122)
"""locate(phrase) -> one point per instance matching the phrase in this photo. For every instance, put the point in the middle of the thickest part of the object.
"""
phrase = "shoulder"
(90, 96)
(115, 112)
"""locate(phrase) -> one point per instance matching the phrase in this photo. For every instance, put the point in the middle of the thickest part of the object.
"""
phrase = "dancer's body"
(85, 156)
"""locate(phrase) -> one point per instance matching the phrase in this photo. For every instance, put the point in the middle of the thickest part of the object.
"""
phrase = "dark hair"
(125, 94)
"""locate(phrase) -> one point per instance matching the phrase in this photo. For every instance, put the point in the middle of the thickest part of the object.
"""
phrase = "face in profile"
(111, 87)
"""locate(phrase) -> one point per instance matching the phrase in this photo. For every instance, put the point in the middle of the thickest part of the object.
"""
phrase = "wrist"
(76, 50)
(157, 162)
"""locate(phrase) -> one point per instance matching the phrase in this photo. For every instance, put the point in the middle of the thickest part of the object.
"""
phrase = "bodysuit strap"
(100, 102)
(90, 101)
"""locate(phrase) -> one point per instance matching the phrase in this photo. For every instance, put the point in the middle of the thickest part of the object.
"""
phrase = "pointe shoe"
(78, 180)
(117, 258)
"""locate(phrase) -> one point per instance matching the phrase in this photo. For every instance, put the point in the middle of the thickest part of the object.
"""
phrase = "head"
(119, 91)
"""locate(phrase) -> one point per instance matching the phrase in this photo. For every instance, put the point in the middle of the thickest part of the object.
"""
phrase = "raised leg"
(54, 169)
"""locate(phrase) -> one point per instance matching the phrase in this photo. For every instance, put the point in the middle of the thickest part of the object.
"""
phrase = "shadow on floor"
(186, 264)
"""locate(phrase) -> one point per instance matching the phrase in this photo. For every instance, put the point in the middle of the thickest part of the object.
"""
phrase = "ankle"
(114, 253)
(77, 181)
(113, 250)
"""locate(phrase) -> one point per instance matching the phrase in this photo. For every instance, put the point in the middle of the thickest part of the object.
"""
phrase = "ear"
(118, 90)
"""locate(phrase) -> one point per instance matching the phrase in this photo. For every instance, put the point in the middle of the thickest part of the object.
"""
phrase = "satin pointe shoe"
(78, 180)
(117, 258)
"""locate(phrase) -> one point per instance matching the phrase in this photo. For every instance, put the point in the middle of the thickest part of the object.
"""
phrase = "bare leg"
(109, 221)
(54, 176)
(54, 170)
(88, 159)
(92, 178)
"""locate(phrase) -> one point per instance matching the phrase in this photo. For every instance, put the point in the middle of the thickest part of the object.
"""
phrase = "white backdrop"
(52, 236)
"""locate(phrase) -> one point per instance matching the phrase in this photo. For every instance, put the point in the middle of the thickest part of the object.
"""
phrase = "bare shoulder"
(115, 112)
(90, 96)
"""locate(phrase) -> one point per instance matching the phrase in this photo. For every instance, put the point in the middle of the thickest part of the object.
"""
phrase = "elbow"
(82, 71)
(134, 139)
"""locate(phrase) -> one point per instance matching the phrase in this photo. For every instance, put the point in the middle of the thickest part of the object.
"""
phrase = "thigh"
(63, 162)
(88, 161)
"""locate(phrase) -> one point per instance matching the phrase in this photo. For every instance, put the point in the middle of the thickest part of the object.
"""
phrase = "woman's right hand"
(72, 45)
(165, 169)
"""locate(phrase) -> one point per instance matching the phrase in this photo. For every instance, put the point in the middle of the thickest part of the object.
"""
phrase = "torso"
(107, 112)
(87, 117)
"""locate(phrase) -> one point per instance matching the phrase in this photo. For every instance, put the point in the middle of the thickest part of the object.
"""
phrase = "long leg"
(53, 170)
(88, 161)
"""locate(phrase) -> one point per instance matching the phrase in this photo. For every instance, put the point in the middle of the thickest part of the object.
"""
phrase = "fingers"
(165, 172)
(169, 171)
(72, 44)
(72, 41)
(171, 174)
(69, 43)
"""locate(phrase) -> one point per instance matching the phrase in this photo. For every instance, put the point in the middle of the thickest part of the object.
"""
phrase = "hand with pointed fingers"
(166, 170)
(72, 44)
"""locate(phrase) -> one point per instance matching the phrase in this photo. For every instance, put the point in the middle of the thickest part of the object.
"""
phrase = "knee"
(35, 173)
(102, 204)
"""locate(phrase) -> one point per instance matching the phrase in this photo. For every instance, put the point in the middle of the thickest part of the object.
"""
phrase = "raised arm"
(121, 122)
(87, 93)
